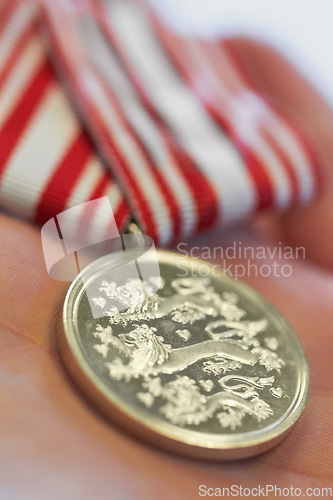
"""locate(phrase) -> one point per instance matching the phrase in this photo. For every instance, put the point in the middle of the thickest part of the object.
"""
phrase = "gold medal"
(182, 356)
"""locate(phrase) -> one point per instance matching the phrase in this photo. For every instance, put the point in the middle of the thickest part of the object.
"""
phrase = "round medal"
(183, 356)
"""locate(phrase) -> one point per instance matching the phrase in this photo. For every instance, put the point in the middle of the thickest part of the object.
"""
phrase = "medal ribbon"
(168, 127)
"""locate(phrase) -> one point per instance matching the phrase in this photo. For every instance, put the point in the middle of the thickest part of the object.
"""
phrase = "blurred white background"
(301, 29)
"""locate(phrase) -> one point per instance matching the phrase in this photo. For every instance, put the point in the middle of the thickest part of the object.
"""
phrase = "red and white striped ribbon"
(47, 161)
(191, 144)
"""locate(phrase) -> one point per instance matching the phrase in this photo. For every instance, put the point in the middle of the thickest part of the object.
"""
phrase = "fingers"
(303, 295)
(311, 226)
(30, 300)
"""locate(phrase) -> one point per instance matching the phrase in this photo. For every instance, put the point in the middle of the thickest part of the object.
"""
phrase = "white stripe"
(133, 156)
(79, 229)
(115, 196)
(9, 36)
(90, 177)
(50, 132)
(288, 141)
(212, 150)
(248, 128)
(247, 125)
(92, 88)
(100, 228)
(101, 55)
(101, 221)
(69, 223)
(20, 77)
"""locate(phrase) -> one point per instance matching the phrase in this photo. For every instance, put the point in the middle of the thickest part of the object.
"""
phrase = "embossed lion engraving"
(186, 405)
(231, 343)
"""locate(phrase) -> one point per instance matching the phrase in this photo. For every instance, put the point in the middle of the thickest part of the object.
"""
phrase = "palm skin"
(53, 444)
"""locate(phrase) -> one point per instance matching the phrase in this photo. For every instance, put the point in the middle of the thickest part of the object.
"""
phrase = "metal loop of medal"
(193, 362)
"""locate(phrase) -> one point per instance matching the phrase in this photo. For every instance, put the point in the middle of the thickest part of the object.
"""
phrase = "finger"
(302, 294)
(30, 300)
(54, 443)
(311, 226)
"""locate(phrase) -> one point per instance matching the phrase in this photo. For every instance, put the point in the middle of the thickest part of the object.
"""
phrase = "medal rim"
(137, 421)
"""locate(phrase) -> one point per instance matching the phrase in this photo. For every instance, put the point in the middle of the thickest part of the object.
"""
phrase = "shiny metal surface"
(203, 367)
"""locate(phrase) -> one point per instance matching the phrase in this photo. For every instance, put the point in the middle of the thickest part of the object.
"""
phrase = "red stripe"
(163, 186)
(165, 191)
(115, 156)
(135, 196)
(57, 191)
(264, 127)
(6, 13)
(23, 40)
(203, 194)
(242, 66)
(121, 215)
(261, 179)
(247, 73)
(309, 144)
(172, 205)
(100, 188)
(3, 6)
(104, 140)
(25, 107)
(286, 163)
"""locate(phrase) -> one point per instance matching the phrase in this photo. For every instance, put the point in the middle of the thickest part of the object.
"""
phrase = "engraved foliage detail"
(221, 390)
